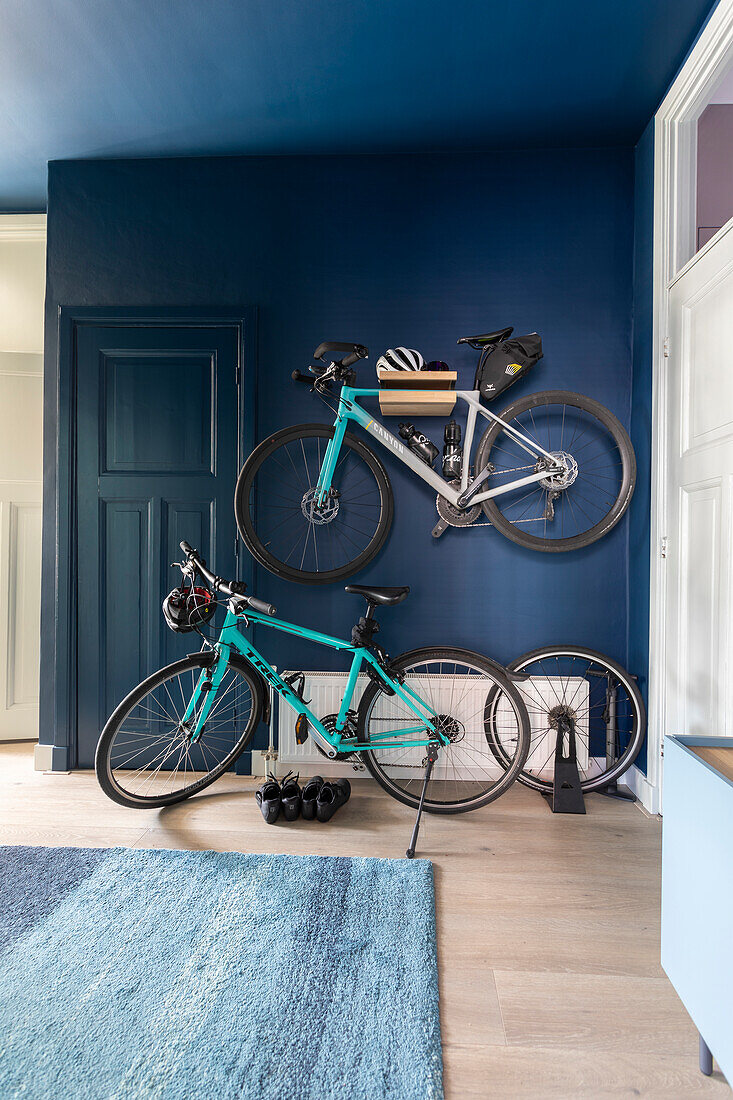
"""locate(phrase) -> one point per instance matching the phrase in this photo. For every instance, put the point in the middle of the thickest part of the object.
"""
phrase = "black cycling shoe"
(331, 797)
(269, 801)
(310, 797)
(290, 795)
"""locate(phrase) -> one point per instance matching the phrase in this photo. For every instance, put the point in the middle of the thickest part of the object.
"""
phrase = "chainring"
(329, 722)
(456, 517)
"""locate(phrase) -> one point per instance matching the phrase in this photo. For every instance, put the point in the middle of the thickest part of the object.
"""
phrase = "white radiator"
(324, 691)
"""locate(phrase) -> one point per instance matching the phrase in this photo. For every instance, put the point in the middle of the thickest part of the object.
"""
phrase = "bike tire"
(502, 683)
(628, 479)
(195, 661)
(636, 740)
(247, 526)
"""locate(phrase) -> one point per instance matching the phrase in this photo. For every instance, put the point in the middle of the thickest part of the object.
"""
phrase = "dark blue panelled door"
(157, 430)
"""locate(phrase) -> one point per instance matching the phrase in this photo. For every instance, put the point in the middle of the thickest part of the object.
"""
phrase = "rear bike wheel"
(568, 510)
(277, 516)
(145, 756)
(456, 684)
(600, 697)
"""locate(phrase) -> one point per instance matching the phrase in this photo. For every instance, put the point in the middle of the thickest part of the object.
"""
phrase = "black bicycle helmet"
(186, 608)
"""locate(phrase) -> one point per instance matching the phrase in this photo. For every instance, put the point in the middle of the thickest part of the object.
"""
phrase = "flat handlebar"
(229, 588)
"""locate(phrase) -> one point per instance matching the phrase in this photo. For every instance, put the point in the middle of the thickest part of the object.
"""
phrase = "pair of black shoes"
(319, 799)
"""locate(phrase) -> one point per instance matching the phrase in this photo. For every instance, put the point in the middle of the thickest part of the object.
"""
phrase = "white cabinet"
(697, 885)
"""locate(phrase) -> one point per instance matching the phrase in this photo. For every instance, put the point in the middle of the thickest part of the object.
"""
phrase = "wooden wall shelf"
(417, 393)
(417, 402)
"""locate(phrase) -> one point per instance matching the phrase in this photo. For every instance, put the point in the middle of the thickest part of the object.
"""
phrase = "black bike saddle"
(385, 597)
(487, 338)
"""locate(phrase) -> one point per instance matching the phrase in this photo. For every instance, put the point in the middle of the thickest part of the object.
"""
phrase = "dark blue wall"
(414, 250)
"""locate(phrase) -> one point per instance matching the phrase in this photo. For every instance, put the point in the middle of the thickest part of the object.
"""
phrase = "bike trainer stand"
(432, 757)
(567, 794)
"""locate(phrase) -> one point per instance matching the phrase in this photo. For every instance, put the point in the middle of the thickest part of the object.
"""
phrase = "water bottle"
(419, 444)
(452, 451)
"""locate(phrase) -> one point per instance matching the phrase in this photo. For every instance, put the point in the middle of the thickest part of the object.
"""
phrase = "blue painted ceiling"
(90, 78)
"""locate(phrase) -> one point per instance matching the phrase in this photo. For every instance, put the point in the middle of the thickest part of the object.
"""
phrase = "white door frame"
(675, 172)
(18, 229)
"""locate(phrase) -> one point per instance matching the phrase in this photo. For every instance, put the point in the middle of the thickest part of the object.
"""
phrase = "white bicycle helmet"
(400, 359)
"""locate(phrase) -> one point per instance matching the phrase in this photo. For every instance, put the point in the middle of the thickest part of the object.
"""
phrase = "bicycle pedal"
(302, 729)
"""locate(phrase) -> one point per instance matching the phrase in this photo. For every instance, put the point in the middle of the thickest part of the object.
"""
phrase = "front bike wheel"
(277, 515)
(601, 699)
(456, 684)
(145, 756)
(572, 508)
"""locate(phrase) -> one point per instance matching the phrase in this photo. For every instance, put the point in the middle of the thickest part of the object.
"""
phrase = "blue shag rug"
(158, 974)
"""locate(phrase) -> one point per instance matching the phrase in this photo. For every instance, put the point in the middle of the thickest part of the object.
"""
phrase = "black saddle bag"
(498, 369)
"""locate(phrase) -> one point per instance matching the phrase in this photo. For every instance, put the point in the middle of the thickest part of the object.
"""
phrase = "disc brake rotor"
(561, 479)
(319, 513)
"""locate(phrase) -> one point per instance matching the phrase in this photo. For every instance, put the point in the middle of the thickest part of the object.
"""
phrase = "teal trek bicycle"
(425, 727)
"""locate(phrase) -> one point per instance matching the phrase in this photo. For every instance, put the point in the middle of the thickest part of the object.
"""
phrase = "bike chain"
(486, 523)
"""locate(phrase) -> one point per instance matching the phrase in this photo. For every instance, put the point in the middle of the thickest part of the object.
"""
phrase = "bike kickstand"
(432, 757)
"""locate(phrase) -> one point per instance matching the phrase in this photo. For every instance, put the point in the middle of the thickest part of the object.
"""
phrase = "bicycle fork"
(328, 466)
(208, 685)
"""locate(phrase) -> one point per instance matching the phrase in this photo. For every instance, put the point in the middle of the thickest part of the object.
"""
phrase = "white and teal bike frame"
(469, 489)
(423, 733)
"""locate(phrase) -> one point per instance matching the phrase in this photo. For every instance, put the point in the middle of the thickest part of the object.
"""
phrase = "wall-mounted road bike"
(554, 472)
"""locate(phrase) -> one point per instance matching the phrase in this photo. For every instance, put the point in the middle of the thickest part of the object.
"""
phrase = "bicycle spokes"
(585, 690)
(465, 770)
(155, 751)
(303, 533)
(584, 479)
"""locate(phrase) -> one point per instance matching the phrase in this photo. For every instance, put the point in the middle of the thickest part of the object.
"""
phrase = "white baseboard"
(638, 783)
(43, 758)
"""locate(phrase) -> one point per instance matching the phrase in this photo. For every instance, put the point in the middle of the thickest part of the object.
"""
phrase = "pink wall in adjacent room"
(714, 169)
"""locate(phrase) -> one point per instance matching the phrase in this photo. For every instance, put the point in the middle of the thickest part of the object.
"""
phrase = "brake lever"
(325, 378)
(186, 568)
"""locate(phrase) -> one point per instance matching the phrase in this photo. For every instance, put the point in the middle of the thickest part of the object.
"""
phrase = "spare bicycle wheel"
(594, 692)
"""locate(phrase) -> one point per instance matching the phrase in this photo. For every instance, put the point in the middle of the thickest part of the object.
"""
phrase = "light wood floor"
(548, 926)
